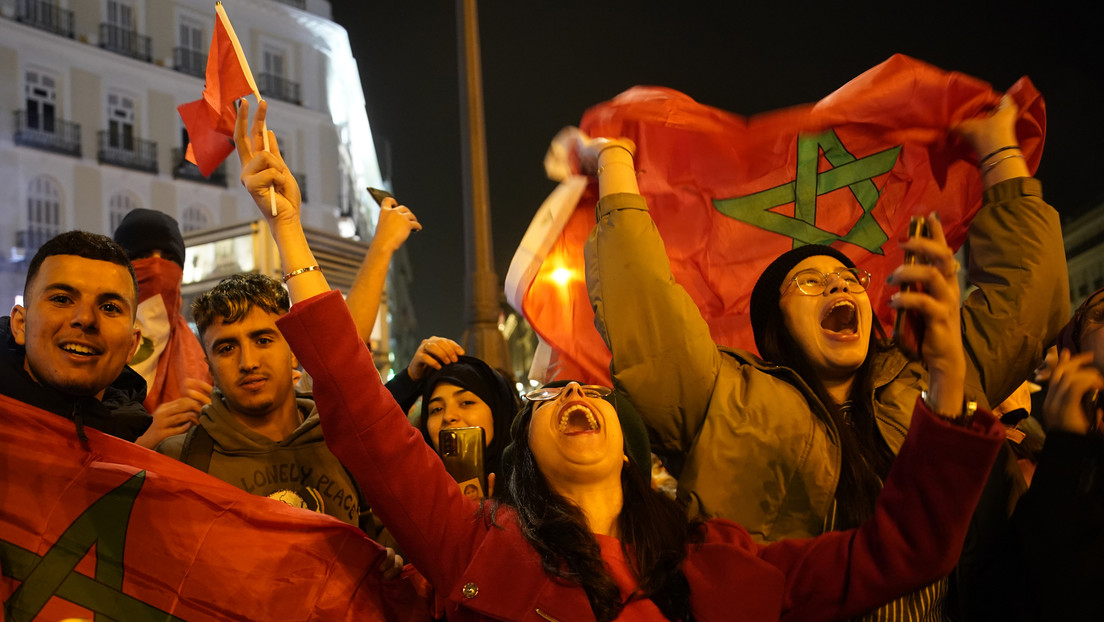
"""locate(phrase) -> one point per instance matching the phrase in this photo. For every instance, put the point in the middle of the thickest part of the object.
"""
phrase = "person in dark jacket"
(65, 349)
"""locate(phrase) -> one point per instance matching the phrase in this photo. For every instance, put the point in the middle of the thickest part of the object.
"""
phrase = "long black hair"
(865, 457)
(654, 530)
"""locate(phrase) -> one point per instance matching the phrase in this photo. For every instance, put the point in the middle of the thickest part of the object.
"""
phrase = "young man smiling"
(65, 349)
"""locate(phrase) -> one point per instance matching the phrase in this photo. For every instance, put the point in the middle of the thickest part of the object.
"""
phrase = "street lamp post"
(482, 337)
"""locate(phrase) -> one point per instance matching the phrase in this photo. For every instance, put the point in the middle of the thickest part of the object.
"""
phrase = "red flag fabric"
(210, 120)
(117, 531)
(170, 352)
(729, 194)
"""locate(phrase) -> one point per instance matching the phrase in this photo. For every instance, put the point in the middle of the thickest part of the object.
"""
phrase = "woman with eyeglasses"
(578, 533)
(799, 441)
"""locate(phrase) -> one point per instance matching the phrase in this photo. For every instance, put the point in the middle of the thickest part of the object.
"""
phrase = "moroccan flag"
(729, 194)
(113, 530)
(210, 121)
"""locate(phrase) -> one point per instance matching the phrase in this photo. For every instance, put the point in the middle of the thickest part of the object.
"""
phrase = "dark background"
(545, 62)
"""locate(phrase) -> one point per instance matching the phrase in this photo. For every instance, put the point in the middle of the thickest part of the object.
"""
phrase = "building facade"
(1084, 241)
(89, 128)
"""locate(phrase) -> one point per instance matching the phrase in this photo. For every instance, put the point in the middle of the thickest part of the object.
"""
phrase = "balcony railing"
(189, 61)
(45, 16)
(134, 153)
(278, 87)
(183, 169)
(301, 179)
(125, 41)
(28, 241)
(51, 134)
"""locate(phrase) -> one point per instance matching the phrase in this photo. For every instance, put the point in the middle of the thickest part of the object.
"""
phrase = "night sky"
(545, 62)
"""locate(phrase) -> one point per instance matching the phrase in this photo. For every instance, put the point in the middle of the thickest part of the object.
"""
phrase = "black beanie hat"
(765, 295)
(144, 230)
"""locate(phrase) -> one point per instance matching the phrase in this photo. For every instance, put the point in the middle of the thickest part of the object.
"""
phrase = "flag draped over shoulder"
(210, 120)
(117, 530)
(729, 194)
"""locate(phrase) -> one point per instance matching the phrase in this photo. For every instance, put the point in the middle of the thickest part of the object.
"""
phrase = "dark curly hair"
(235, 295)
(655, 533)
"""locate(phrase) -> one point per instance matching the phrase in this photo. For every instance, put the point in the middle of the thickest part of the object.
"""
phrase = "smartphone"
(908, 331)
(380, 195)
(461, 449)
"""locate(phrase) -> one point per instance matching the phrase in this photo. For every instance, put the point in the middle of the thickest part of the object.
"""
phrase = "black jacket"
(120, 413)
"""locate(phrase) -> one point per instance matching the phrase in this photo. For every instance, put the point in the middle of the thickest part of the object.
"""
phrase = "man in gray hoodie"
(257, 434)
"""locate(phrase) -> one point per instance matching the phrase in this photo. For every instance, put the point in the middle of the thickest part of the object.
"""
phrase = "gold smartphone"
(461, 449)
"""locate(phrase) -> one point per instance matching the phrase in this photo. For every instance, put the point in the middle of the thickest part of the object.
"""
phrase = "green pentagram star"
(103, 524)
(856, 174)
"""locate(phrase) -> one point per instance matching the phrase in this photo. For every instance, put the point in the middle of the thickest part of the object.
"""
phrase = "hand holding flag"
(264, 173)
(730, 193)
(210, 120)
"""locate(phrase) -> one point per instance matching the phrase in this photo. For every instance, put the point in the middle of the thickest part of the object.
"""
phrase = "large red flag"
(729, 194)
(120, 532)
(210, 120)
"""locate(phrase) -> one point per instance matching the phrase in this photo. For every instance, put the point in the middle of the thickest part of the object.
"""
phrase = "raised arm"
(664, 358)
(262, 174)
(1017, 261)
(393, 228)
(401, 477)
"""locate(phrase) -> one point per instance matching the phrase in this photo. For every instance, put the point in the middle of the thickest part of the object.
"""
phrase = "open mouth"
(577, 419)
(79, 350)
(841, 318)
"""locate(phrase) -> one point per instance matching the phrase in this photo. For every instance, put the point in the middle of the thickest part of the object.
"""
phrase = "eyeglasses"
(551, 393)
(813, 282)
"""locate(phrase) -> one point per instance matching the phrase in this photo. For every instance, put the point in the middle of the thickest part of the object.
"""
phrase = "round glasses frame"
(551, 393)
(857, 283)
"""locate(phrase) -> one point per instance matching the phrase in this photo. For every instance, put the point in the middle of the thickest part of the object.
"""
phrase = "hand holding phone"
(380, 195)
(461, 450)
(908, 330)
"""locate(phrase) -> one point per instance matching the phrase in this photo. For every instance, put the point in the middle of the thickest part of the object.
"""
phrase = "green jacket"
(754, 451)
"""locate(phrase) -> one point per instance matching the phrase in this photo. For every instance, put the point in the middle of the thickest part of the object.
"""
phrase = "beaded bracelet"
(287, 277)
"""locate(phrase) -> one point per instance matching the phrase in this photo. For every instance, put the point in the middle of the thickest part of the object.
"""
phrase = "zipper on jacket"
(546, 616)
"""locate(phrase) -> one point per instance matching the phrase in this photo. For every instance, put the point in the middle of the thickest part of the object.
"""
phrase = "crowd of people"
(831, 476)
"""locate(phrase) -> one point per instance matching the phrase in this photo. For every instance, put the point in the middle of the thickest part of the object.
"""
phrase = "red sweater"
(489, 572)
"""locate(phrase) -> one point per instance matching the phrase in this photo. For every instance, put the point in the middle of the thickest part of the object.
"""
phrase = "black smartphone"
(461, 449)
(380, 195)
(908, 330)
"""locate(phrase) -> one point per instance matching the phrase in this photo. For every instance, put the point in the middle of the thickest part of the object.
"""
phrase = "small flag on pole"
(210, 120)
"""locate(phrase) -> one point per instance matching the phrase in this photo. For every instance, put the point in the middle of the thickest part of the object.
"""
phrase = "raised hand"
(264, 172)
(394, 225)
(939, 305)
(433, 353)
(1073, 395)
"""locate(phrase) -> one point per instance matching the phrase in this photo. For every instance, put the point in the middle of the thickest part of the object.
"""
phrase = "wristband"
(293, 273)
(993, 165)
(995, 152)
(964, 418)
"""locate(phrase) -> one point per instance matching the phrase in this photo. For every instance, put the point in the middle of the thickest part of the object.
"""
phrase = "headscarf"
(490, 386)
